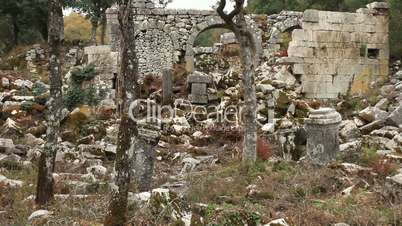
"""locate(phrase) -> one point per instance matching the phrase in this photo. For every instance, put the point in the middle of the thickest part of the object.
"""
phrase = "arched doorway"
(214, 23)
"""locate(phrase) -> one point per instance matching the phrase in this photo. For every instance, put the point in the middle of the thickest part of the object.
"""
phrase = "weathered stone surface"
(23, 83)
(39, 214)
(10, 183)
(265, 88)
(6, 145)
(165, 36)
(349, 130)
(395, 118)
(372, 114)
(228, 38)
(97, 170)
(322, 135)
(5, 83)
(278, 222)
(167, 86)
(366, 129)
(10, 129)
(336, 49)
(198, 83)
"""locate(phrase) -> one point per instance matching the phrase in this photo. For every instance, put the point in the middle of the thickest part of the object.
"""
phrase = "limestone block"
(331, 36)
(311, 15)
(378, 5)
(92, 50)
(301, 35)
(301, 52)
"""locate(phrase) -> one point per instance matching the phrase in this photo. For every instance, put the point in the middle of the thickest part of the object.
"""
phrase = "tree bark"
(127, 78)
(44, 192)
(16, 29)
(103, 28)
(247, 54)
(94, 24)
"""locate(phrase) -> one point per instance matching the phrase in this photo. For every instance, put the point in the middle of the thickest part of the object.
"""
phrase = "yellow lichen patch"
(361, 83)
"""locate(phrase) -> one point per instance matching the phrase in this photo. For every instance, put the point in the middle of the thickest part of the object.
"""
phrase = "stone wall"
(166, 36)
(335, 52)
(106, 63)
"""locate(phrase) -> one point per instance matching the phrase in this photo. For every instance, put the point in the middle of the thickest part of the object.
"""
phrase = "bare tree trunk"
(250, 99)
(247, 53)
(127, 78)
(44, 191)
(16, 29)
(94, 23)
(103, 28)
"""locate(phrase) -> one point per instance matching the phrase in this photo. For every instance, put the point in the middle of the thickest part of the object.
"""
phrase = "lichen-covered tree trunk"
(94, 28)
(44, 191)
(250, 99)
(247, 54)
(103, 29)
(127, 93)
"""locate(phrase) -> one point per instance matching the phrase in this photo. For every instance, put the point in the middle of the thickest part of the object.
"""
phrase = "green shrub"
(39, 88)
(76, 96)
(79, 75)
(27, 106)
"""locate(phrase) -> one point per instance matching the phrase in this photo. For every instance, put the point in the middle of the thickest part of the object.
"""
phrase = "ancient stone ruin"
(336, 52)
(331, 53)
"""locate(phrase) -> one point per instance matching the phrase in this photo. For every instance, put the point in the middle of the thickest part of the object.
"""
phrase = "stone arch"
(211, 23)
(280, 27)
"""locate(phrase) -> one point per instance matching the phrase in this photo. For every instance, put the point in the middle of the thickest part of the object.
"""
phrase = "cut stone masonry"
(332, 52)
(337, 52)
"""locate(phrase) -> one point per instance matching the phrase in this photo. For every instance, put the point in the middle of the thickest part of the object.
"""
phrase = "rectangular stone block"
(199, 89)
(300, 52)
(311, 15)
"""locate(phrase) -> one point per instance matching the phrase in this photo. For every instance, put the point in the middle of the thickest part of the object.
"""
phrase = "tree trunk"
(55, 105)
(16, 29)
(94, 23)
(247, 54)
(250, 99)
(103, 28)
(127, 78)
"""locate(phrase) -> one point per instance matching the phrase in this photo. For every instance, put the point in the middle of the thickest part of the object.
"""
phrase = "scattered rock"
(372, 114)
(5, 83)
(10, 106)
(278, 222)
(23, 84)
(189, 165)
(350, 146)
(353, 168)
(30, 139)
(265, 88)
(98, 170)
(269, 128)
(383, 104)
(39, 214)
(10, 183)
(395, 118)
(349, 130)
(6, 145)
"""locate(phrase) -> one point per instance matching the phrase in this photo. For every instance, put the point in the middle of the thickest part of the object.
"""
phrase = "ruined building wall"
(336, 51)
(166, 36)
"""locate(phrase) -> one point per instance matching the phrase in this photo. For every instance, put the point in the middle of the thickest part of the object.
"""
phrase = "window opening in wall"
(373, 53)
